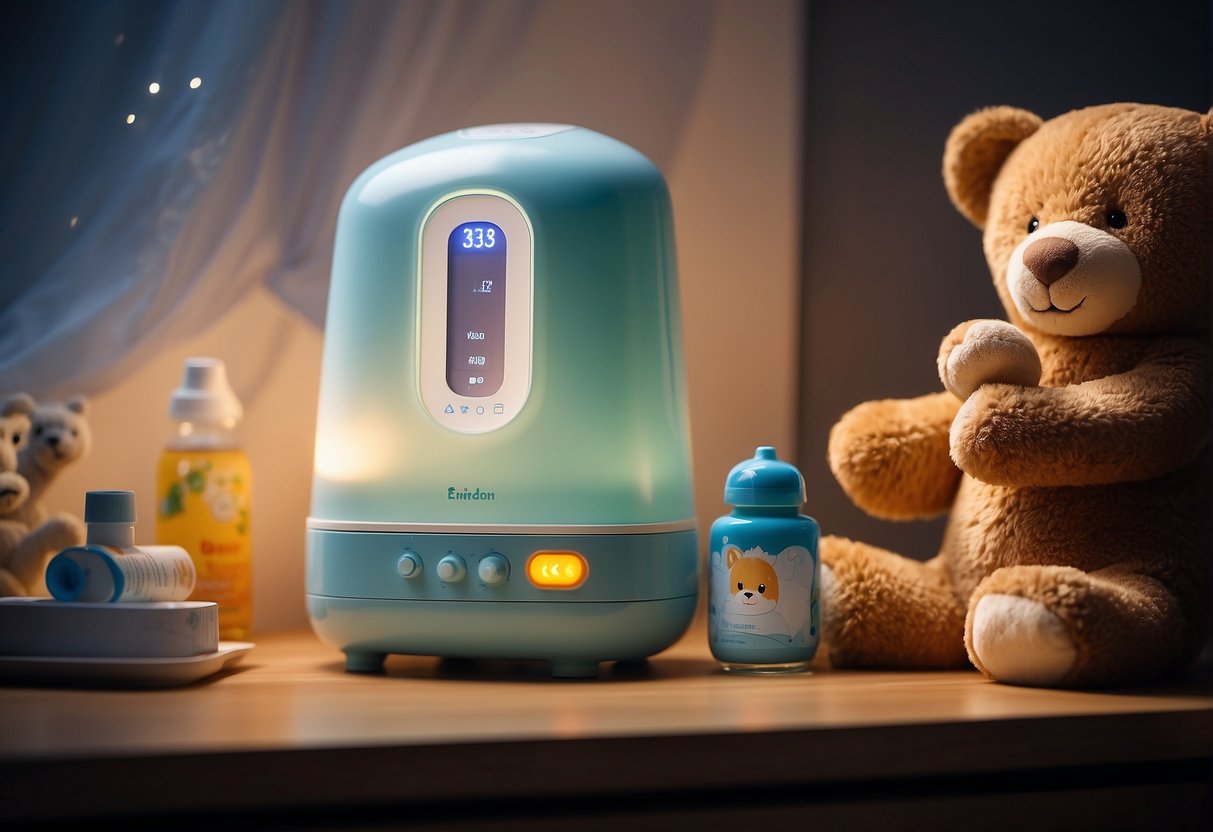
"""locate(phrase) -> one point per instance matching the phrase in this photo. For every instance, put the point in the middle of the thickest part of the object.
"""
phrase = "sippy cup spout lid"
(764, 480)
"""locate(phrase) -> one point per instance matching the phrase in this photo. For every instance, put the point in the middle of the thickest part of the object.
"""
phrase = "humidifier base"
(573, 598)
(574, 638)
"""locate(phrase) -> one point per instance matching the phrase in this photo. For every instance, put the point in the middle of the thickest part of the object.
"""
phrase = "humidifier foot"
(574, 669)
(358, 662)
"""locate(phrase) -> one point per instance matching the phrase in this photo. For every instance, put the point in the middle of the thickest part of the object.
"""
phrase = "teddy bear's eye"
(1033, 224)
(762, 589)
(739, 586)
(1117, 218)
(16, 438)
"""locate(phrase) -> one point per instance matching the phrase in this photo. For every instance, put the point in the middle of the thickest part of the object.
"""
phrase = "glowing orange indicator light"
(557, 570)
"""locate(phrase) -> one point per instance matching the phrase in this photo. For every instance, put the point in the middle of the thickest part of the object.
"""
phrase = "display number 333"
(479, 236)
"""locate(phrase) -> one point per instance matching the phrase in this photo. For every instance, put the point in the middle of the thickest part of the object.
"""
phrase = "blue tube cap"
(65, 578)
(109, 507)
(764, 480)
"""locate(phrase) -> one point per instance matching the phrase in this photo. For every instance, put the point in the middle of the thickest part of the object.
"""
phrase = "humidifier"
(502, 462)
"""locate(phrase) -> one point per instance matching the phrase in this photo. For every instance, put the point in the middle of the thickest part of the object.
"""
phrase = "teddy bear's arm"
(11, 533)
(1125, 427)
(29, 557)
(891, 456)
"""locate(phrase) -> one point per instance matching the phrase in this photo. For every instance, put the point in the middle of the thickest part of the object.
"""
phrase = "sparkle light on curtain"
(162, 158)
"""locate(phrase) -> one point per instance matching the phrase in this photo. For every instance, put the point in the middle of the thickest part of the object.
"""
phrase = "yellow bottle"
(203, 494)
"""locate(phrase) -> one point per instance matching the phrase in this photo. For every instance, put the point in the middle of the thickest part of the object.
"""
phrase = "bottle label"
(763, 602)
(203, 506)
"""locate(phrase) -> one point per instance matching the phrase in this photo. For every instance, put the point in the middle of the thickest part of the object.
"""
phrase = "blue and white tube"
(110, 568)
(109, 574)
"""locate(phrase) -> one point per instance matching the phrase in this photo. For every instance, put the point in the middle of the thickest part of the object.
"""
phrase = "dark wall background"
(889, 266)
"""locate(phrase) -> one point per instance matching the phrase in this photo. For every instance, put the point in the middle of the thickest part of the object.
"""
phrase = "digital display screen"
(475, 309)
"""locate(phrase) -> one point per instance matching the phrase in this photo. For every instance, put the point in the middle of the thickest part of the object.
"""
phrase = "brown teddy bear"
(1070, 447)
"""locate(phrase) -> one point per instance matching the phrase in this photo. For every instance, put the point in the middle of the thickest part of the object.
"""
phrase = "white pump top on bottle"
(205, 407)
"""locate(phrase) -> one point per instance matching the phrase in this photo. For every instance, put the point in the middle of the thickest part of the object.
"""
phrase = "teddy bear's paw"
(1019, 641)
(985, 352)
(63, 530)
(826, 586)
(10, 586)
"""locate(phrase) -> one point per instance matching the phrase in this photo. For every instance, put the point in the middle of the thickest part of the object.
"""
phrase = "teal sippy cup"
(763, 571)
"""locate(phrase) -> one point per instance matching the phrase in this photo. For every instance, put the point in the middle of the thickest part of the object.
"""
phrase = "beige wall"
(735, 188)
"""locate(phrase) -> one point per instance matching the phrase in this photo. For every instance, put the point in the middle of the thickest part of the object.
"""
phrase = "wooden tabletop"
(289, 728)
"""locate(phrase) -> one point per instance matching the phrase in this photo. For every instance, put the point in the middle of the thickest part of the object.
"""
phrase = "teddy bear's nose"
(1050, 258)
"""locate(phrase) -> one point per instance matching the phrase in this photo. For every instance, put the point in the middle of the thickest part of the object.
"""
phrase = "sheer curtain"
(162, 158)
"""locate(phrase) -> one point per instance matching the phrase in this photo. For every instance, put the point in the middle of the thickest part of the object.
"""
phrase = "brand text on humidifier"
(453, 493)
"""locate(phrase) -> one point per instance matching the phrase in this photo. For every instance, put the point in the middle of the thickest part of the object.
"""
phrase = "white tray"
(123, 672)
(45, 627)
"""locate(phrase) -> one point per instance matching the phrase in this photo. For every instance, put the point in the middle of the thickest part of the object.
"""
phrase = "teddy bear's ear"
(22, 403)
(976, 149)
(77, 404)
